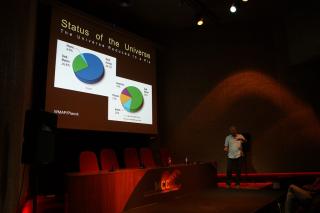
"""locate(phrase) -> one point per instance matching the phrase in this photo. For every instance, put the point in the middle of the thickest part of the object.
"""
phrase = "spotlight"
(244, 0)
(233, 9)
(200, 21)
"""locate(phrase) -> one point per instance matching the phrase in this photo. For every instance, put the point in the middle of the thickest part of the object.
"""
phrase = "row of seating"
(108, 159)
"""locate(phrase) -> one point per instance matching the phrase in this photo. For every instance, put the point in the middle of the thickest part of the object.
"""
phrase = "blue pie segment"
(88, 68)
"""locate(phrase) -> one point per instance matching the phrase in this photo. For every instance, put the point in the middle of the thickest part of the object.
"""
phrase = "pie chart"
(88, 68)
(131, 99)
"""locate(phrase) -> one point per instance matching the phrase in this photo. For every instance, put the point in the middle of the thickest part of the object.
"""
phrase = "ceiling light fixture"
(203, 13)
(233, 9)
(200, 21)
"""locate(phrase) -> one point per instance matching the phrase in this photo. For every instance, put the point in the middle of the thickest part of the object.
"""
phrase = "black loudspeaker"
(39, 137)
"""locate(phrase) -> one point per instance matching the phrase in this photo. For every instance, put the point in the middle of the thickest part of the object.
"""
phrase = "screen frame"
(46, 46)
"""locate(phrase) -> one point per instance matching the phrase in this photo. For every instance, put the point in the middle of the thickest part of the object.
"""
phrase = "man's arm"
(316, 185)
(307, 187)
(241, 138)
(226, 145)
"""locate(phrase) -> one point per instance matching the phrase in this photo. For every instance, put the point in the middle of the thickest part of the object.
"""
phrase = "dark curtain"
(16, 66)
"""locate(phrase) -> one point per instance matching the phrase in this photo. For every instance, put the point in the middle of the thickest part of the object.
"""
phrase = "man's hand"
(241, 138)
(307, 187)
(226, 149)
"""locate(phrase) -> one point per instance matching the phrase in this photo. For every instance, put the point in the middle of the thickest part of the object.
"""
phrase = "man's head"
(233, 130)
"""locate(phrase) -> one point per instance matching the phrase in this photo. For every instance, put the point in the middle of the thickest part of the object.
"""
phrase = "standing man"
(233, 148)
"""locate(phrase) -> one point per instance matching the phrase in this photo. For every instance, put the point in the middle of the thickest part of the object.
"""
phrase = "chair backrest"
(146, 157)
(108, 160)
(164, 155)
(131, 158)
(88, 162)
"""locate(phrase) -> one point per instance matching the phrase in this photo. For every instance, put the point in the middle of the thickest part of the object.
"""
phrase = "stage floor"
(217, 201)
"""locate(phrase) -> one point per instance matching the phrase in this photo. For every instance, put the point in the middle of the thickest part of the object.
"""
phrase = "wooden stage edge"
(117, 191)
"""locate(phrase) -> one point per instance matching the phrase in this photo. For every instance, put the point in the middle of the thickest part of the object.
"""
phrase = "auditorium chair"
(108, 160)
(146, 157)
(131, 158)
(164, 156)
(88, 162)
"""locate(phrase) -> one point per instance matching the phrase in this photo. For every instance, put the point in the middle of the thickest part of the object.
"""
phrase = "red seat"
(131, 158)
(164, 155)
(88, 162)
(108, 160)
(147, 157)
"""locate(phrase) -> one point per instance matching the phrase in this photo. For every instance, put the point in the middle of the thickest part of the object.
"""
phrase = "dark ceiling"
(156, 16)
(158, 20)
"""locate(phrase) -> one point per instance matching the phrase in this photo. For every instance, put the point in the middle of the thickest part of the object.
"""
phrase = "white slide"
(131, 101)
(83, 70)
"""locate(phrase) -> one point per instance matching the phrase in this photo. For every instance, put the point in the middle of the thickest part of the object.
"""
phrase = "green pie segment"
(79, 63)
(131, 99)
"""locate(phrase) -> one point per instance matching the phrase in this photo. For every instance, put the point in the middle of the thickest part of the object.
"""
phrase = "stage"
(218, 200)
(180, 188)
